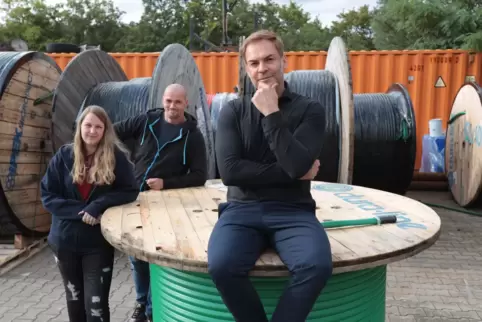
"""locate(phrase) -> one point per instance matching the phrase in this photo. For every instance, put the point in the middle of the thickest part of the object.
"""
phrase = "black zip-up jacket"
(262, 158)
(61, 197)
(180, 159)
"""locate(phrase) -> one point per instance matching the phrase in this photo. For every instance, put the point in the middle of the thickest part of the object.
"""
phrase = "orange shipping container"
(431, 77)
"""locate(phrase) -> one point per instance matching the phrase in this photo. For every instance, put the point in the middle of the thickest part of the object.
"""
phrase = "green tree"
(92, 22)
(392, 24)
(428, 24)
(354, 26)
(161, 24)
(78, 22)
(31, 20)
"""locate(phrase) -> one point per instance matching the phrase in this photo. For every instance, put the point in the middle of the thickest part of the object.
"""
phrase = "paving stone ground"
(443, 283)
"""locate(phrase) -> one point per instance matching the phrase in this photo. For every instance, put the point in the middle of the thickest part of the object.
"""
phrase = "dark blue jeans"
(239, 237)
(87, 277)
(140, 274)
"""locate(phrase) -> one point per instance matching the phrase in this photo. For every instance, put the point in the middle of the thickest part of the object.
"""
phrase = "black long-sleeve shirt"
(262, 158)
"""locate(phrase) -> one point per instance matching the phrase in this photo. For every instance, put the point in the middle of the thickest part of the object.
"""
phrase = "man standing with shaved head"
(169, 153)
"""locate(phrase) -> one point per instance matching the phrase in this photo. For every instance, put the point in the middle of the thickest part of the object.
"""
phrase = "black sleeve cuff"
(272, 121)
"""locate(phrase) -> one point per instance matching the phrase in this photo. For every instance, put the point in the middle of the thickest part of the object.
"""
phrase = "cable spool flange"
(463, 149)
(177, 65)
(83, 73)
(27, 80)
(338, 62)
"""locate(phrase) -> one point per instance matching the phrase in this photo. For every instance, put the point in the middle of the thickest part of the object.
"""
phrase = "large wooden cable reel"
(27, 80)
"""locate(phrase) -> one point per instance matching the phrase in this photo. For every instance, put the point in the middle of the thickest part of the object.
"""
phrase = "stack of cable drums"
(369, 139)
(93, 77)
(27, 80)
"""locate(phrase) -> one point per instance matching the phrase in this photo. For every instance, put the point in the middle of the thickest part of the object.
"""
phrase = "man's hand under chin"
(266, 98)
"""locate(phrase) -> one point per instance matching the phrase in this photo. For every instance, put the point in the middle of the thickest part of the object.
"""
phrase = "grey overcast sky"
(326, 10)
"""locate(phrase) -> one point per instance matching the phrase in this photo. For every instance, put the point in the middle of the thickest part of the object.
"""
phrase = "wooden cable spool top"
(172, 227)
(94, 77)
(27, 81)
(463, 151)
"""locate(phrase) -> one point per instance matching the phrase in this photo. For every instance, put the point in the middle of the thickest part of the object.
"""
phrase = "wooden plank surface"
(172, 227)
(463, 152)
(25, 143)
(338, 63)
(11, 257)
(176, 65)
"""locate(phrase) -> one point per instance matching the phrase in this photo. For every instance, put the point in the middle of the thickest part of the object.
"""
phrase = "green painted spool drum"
(171, 228)
(192, 297)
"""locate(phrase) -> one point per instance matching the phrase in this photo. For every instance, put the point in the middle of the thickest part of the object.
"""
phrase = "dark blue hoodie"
(61, 197)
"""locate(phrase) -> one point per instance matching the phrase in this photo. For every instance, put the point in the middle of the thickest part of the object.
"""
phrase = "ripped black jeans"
(87, 278)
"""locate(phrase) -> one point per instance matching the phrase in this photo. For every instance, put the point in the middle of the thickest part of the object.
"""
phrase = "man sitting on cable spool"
(170, 153)
(266, 149)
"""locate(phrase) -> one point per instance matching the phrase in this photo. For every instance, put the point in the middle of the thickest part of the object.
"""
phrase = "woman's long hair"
(102, 167)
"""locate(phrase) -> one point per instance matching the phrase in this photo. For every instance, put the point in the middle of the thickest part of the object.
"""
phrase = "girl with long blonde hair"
(83, 179)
